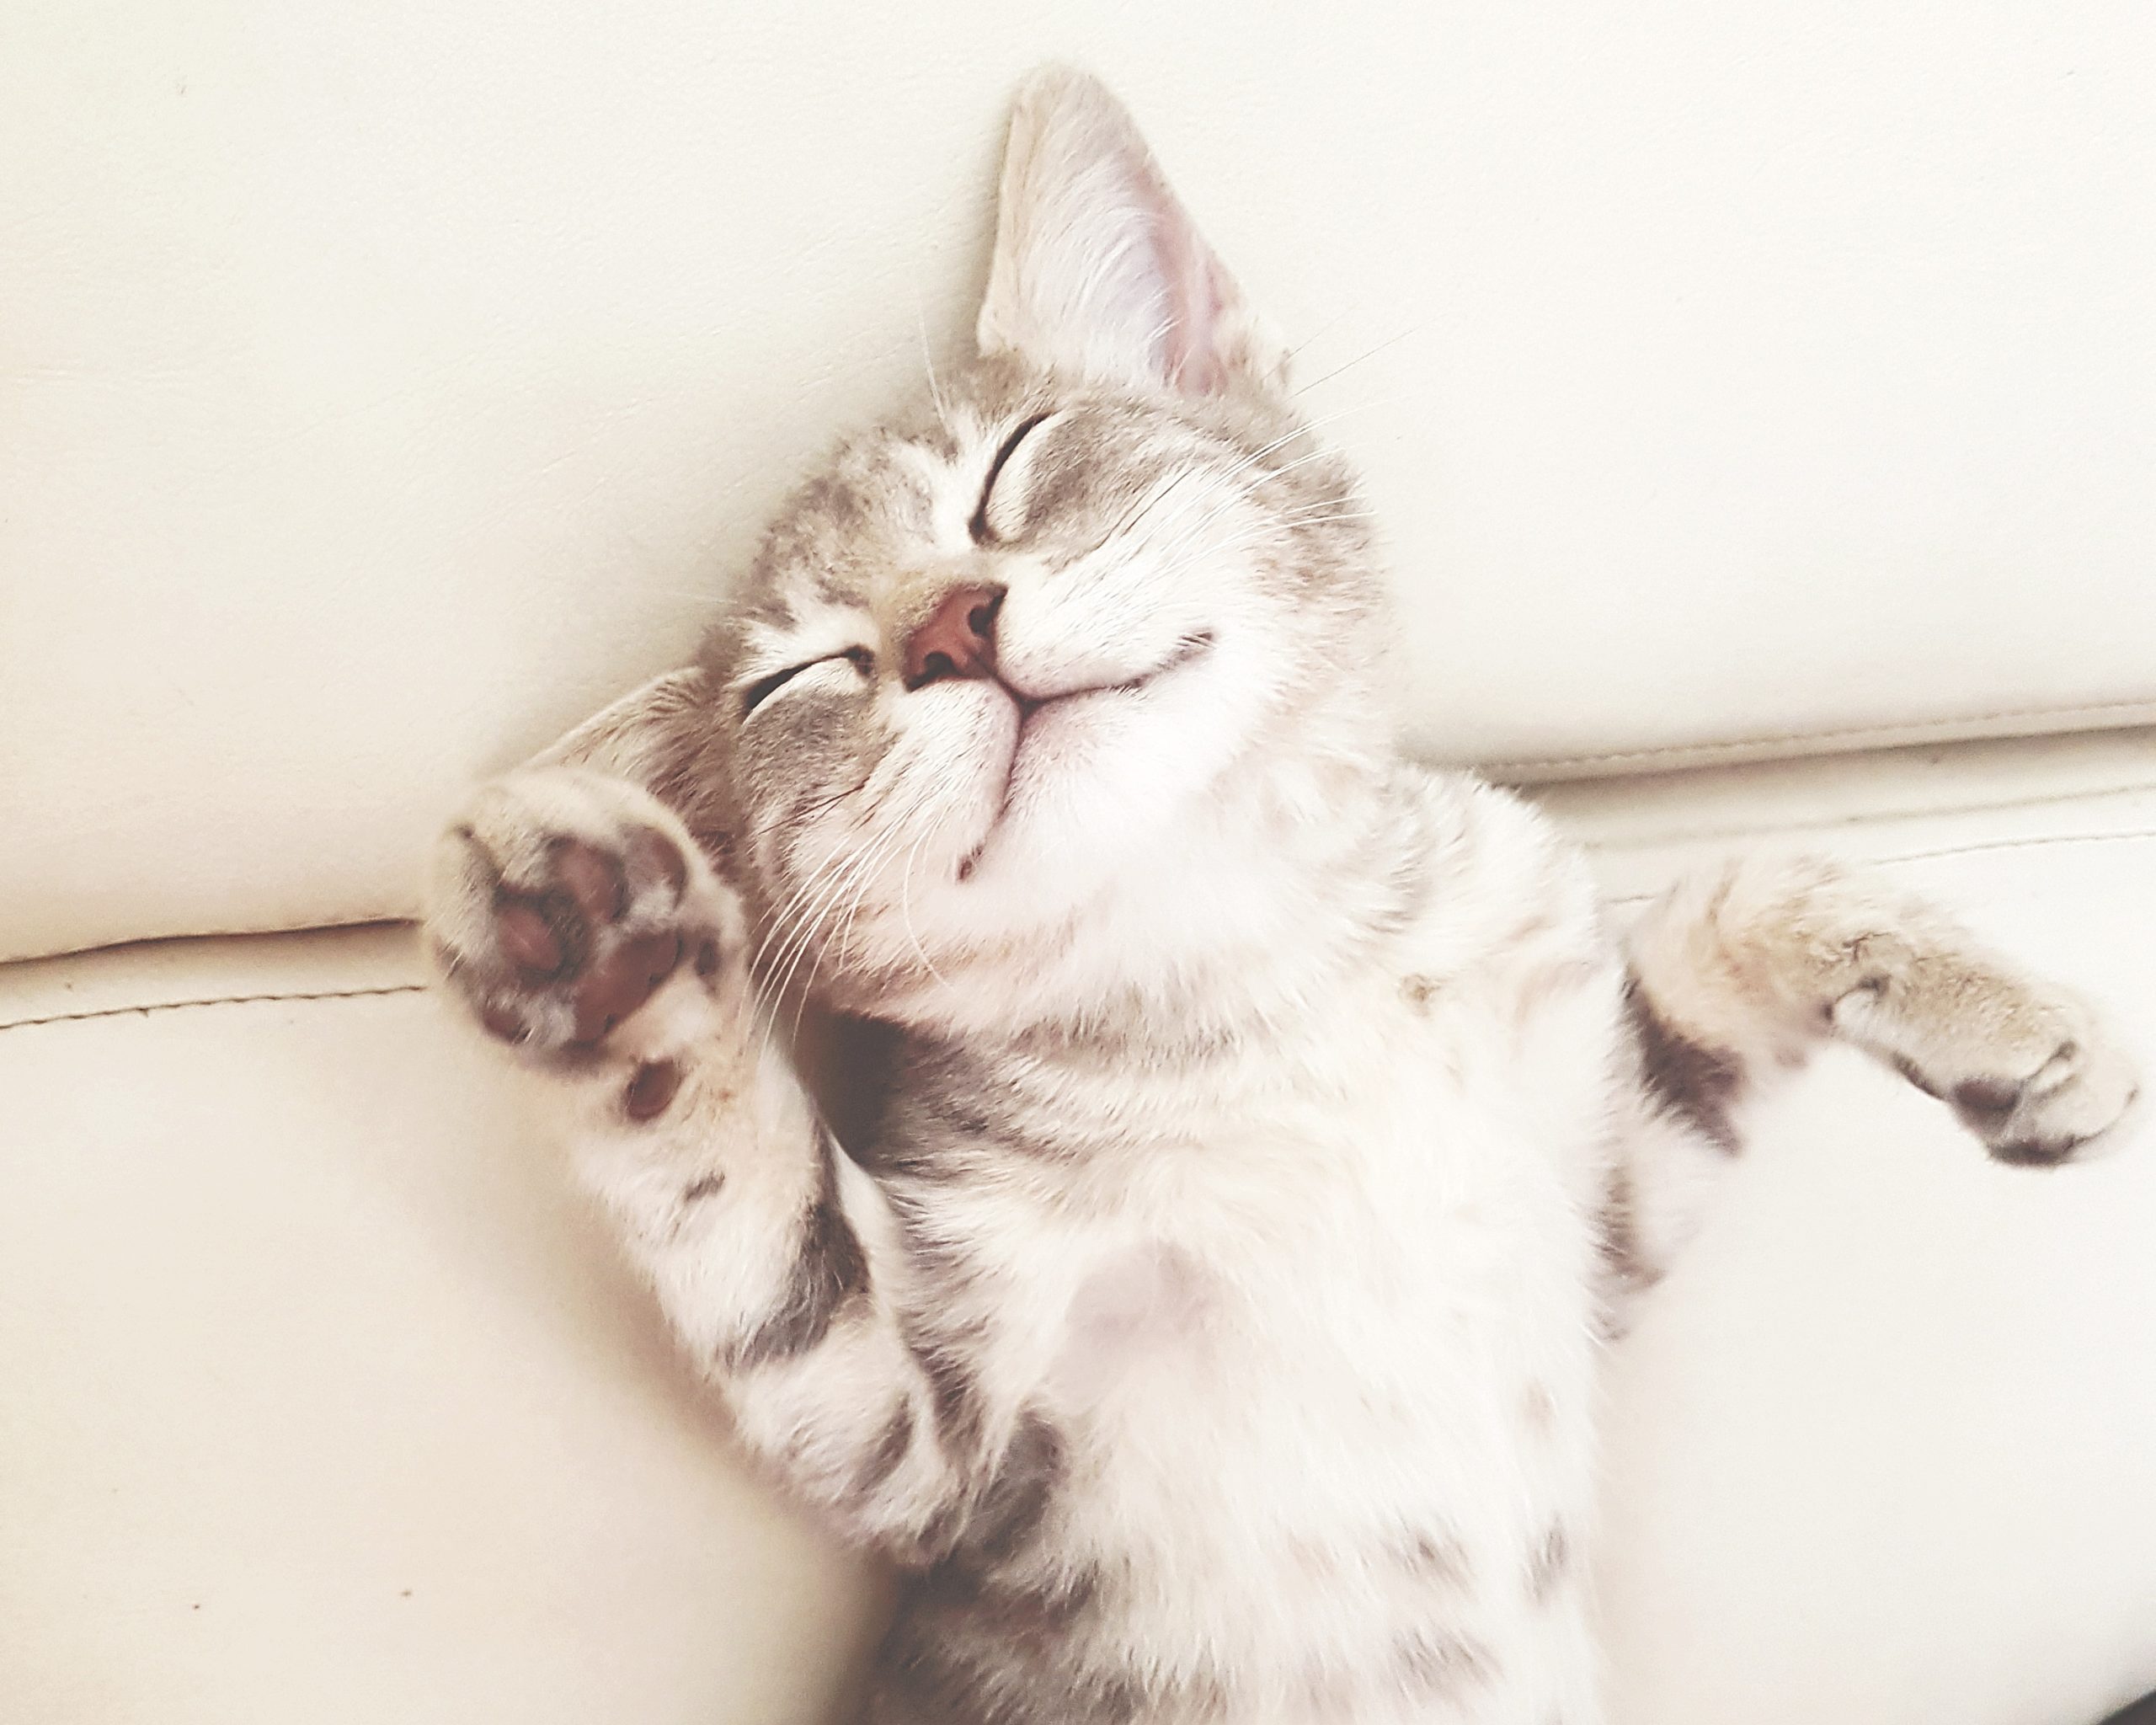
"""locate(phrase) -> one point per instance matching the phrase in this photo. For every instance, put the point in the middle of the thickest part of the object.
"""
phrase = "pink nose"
(958, 639)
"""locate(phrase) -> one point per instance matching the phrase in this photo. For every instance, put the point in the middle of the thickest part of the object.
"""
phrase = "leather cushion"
(302, 1327)
(388, 387)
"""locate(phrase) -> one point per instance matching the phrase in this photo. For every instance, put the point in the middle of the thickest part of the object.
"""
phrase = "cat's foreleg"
(576, 921)
(1736, 975)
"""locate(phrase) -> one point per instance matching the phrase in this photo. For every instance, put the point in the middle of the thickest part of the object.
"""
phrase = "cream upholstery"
(393, 382)
(325, 1401)
(384, 386)
(1879, 1449)
(331, 1404)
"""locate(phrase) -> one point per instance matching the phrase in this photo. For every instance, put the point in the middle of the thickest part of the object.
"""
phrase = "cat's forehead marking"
(888, 498)
(937, 478)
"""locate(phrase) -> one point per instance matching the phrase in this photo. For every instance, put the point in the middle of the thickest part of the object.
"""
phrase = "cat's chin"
(1059, 743)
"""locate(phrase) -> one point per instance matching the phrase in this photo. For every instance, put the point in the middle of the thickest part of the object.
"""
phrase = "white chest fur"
(1322, 1334)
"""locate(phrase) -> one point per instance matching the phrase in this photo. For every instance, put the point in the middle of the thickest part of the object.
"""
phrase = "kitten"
(1208, 1320)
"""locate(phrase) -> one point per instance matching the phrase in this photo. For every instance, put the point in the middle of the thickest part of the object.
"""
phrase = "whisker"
(858, 883)
(928, 359)
(851, 875)
(866, 878)
(905, 913)
(1301, 429)
(1391, 341)
(1312, 518)
(813, 875)
(811, 880)
(839, 881)
(792, 934)
(1242, 492)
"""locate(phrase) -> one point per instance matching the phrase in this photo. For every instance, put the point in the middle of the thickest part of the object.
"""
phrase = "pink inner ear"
(1195, 362)
(1189, 354)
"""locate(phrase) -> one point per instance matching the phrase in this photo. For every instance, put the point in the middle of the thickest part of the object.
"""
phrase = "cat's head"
(1045, 695)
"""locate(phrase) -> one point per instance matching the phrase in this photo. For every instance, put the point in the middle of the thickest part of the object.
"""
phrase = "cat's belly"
(1337, 1443)
(1319, 1365)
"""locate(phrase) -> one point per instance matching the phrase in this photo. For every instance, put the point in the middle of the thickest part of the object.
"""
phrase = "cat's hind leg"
(1737, 974)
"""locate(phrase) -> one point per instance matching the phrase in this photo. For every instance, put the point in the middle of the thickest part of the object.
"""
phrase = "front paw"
(562, 905)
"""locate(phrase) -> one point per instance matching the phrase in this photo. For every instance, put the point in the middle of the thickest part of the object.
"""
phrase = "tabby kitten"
(1208, 1322)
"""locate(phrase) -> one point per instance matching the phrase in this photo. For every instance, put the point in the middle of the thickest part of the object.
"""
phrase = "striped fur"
(1206, 1315)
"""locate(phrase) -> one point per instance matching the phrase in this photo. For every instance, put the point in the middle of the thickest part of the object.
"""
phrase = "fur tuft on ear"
(1098, 268)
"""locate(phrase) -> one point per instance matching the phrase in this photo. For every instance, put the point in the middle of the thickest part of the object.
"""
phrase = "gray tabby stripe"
(829, 1269)
(1696, 1083)
(886, 1453)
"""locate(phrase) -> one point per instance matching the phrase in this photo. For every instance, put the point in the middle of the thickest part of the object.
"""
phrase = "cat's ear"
(1098, 268)
(641, 736)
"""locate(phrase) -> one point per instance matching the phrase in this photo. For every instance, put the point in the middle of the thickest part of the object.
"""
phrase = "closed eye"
(982, 531)
(860, 658)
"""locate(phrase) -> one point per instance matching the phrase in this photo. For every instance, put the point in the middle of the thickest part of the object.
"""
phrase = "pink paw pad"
(578, 950)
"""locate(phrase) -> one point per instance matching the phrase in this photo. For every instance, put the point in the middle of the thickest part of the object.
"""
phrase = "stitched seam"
(352, 994)
(1969, 850)
(1693, 753)
(1880, 735)
(224, 1000)
(2053, 838)
(372, 919)
(1852, 823)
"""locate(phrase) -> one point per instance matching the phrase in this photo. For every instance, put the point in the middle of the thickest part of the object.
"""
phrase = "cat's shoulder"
(1495, 864)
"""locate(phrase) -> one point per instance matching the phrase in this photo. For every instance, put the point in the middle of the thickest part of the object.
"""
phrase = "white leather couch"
(1762, 405)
